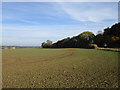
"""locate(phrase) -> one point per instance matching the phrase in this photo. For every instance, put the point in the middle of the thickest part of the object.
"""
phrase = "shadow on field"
(109, 50)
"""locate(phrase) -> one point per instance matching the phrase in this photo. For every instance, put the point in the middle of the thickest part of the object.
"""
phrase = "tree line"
(110, 37)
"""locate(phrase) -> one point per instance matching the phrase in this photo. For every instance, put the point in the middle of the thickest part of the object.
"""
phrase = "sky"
(31, 23)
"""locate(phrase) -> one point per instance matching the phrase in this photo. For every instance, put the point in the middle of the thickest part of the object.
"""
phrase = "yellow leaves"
(115, 38)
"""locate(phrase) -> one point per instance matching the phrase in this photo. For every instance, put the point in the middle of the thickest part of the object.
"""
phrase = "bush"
(93, 46)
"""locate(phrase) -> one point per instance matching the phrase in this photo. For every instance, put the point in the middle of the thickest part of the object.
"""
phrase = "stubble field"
(59, 68)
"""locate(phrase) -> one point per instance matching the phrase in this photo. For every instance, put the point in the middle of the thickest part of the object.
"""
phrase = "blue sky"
(31, 23)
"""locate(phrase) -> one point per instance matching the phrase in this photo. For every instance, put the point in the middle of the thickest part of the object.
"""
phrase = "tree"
(113, 31)
(109, 38)
(43, 45)
(99, 40)
(81, 41)
(99, 32)
(47, 44)
(85, 38)
(112, 35)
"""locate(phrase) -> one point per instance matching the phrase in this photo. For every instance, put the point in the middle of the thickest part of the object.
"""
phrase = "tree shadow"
(110, 50)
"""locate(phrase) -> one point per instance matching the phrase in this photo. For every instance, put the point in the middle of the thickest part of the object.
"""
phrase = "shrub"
(93, 46)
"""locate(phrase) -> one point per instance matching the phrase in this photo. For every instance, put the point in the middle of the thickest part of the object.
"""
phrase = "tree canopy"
(109, 38)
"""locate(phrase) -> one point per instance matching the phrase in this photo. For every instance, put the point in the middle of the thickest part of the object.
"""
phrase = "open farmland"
(60, 68)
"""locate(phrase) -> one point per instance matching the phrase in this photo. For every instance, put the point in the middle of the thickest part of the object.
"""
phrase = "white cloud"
(31, 13)
(57, 11)
(89, 12)
(35, 34)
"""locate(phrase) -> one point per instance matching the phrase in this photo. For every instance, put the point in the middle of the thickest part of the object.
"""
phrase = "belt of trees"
(110, 37)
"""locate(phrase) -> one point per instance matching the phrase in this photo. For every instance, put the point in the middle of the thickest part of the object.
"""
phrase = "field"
(59, 68)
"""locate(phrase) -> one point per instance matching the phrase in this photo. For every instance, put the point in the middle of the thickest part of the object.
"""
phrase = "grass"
(60, 68)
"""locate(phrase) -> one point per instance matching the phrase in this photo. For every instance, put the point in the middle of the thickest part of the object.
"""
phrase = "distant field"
(60, 68)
